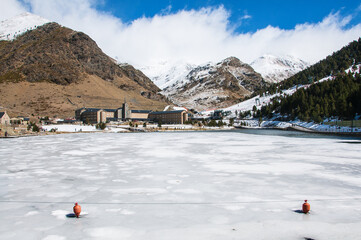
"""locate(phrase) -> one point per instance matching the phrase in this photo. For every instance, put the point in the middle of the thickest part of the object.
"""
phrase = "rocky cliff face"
(60, 56)
(216, 85)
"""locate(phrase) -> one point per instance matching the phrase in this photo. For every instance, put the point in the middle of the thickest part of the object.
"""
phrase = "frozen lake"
(180, 185)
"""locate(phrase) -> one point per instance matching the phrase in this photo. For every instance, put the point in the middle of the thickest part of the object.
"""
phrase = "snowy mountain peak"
(13, 27)
(215, 85)
(166, 74)
(229, 60)
(276, 69)
(232, 61)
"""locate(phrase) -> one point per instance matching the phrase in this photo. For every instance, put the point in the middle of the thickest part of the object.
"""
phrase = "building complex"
(98, 115)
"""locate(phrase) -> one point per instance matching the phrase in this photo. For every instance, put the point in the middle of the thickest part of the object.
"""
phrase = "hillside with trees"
(339, 96)
(336, 63)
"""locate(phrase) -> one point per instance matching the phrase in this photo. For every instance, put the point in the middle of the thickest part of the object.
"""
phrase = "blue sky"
(245, 15)
(146, 33)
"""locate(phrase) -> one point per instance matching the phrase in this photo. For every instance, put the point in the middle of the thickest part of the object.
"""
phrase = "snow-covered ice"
(180, 185)
(69, 128)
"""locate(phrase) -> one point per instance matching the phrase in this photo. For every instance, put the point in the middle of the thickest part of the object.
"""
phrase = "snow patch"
(69, 128)
(276, 69)
(60, 214)
(54, 237)
(115, 232)
(13, 27)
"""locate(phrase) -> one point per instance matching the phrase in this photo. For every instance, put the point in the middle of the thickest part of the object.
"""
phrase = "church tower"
(125, 111)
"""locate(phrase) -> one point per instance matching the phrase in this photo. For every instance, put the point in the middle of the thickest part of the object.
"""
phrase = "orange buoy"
(77, 210)
(306, 207)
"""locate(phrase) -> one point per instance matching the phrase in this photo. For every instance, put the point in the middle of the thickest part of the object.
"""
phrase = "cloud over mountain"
(194, 36)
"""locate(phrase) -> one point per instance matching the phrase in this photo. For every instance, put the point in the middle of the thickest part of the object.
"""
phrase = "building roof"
(92, 109)
(168, 112)
(110, 110)
(2, 114)
(140, 111)
(98, 109)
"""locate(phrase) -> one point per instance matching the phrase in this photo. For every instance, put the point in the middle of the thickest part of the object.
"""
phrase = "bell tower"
(125, 110)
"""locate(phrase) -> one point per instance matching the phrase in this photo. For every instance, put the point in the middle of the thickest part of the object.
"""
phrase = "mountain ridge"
(62, 57)
(216, 85)
(275, 69)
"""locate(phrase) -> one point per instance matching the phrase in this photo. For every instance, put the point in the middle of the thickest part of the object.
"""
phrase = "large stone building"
(169, 117)
(97, 115)
(140, 115)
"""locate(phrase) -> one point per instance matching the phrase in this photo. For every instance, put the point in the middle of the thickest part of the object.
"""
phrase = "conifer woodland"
(336, 63)
(339, 96)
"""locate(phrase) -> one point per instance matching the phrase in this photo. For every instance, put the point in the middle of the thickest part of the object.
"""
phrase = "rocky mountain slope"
(175, 79)
(276, 69)
(61, 60)
(215, 85)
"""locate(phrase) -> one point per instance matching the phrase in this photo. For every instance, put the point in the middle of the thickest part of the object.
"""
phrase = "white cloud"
(194, 36)
(166, 10)
(10, 8)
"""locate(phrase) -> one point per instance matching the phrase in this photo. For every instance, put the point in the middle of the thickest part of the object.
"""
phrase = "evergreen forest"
(340, 96)
(334, 64)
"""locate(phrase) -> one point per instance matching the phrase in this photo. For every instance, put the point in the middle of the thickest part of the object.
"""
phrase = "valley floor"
(248, 124)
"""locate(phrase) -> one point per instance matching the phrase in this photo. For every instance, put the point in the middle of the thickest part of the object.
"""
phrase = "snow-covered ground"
(257, 101)
(276, 69)
(69, 128)
(326, 128)
(182, 185)
(174, 108)
(306, 126)
(166, 74)
(13, 27)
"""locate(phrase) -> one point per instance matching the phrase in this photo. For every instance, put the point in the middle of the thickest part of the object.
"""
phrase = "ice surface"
(180, 185)
(69, 128)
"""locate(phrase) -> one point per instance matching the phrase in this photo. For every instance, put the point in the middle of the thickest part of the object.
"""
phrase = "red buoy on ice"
(77, 210)
(306, 207)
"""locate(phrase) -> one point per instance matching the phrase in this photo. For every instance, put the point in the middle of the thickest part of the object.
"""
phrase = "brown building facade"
(140, 115)
(169, 117)
(98, 115)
